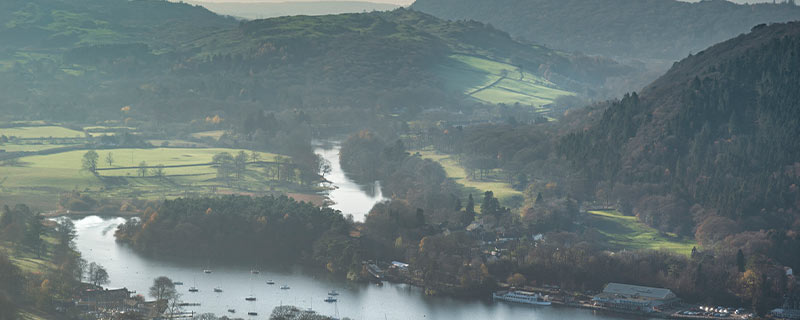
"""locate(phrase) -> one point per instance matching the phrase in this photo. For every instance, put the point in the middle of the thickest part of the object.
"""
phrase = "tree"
(33, 233)
(142, 169)
(490, 204)
(255, 156)
(159, 171)
(224, 163)
(163, 289)
(420, 217)
(469, 212)
(470, 208)
(97, 274)
(240, 164)
(89, 162)
(109, 159)
(539, 198)
(740, 263)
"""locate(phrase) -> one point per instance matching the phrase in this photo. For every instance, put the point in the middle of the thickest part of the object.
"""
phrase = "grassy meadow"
(498, 82)
(501, 189)
(41, 132)
(39, 179)
(626, 232)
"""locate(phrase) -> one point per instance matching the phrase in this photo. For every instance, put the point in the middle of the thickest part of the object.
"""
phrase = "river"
(348, 196)
(127, 268)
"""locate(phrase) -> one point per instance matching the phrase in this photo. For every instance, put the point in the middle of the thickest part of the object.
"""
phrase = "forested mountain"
(645, 29)
(712, 144)
(170, 61)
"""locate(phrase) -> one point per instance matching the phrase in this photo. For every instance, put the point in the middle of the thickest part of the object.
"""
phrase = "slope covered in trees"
(626, 28)
(711, 146)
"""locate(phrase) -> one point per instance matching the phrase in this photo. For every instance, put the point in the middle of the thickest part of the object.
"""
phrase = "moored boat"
(525, 297)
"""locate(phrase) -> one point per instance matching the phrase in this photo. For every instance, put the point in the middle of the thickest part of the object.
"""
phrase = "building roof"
(638, 291)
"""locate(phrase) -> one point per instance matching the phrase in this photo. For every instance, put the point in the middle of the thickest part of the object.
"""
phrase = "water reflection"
(348, 196)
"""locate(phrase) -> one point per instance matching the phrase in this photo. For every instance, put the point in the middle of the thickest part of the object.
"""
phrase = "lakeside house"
(634, 298)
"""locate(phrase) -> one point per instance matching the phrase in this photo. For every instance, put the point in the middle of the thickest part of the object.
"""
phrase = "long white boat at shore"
(521, 297)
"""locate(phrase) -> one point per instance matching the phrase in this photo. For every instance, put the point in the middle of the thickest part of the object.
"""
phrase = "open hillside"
(180, 62)
(644, 29)
(711, 146)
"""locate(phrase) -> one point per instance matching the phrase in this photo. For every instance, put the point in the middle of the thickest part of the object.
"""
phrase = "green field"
(501, 189)
(498, 82)
(41, 132)
(39, 179)
(626, 232)
(215, 134)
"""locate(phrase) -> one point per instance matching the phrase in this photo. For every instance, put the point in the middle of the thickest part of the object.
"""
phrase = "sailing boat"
(217, 289)
(194, 287)
(251, 297)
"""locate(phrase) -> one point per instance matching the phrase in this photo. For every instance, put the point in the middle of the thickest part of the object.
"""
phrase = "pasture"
(626, 232)
(41, 132)
(502, 190)
(40, 179)
(498, 82)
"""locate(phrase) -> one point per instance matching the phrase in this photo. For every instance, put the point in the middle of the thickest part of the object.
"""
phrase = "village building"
(634, 298)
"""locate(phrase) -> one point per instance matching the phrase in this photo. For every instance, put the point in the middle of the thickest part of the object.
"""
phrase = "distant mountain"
(262, 10)
(643, 29)
(712, 141)
(172, 60)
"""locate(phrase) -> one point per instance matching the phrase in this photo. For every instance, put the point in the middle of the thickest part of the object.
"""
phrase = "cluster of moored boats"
(331, 298)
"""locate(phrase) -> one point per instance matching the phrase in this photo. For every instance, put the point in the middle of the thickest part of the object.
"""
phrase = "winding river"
(128, 269)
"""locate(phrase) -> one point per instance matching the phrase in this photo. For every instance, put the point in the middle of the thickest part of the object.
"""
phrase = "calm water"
(349, 196)
(128, 269)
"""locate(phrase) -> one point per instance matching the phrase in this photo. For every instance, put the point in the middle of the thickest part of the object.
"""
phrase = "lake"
(127, 268)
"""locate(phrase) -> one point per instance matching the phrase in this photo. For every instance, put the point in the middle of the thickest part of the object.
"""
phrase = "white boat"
(232, 310)
(250, 298)
(333, 293)
(217, 289)
(207, 271)
(330, 299)
(285, 287)
(521, 297)
(193, 289)
(254, 271)
(270, 282)
(178, 283)
(252, 313)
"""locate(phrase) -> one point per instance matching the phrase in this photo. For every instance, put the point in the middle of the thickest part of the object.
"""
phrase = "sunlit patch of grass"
(626, 232)
(41, 132)
(475, 76)
(501, 189)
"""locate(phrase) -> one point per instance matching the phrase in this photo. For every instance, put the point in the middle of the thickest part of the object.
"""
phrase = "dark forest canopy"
(264, 229)
(645, 29)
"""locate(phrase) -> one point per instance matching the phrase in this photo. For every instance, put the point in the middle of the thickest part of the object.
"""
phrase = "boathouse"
(634, 298)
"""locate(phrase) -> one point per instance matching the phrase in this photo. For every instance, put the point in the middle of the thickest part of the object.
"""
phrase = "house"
(634, 298)
(104, 298)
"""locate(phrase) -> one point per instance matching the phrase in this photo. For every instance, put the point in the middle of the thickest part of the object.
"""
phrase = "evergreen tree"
(740, 260)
